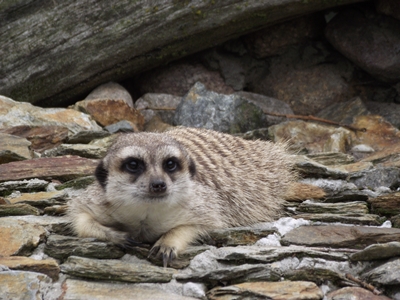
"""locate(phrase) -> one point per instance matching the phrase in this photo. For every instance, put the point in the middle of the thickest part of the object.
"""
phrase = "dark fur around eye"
(101, 174)
(171, 165)
(133, 165)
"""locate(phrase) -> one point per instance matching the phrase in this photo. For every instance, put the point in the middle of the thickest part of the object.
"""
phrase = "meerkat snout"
(158, 186)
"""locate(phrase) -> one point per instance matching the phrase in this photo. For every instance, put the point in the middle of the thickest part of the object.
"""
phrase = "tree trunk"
(53, 51)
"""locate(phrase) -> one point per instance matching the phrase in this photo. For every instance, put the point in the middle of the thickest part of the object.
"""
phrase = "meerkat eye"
(171, 165)
(133, 165)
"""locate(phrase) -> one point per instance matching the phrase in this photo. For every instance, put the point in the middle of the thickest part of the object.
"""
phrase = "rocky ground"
(328, 83)
(346, 244)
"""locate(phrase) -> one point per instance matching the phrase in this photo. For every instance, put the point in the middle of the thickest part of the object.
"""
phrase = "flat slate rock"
(78, 289)
(377, 251)
(63, 168)
(22, 263)
(287, 290)
(340, 236)
(386, 274)
(59, 246)
(115, 270)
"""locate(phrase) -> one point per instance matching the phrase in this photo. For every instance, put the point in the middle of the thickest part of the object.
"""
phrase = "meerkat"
(171, 188)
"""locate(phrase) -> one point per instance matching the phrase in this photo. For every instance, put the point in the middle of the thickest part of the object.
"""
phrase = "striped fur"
(219, 181)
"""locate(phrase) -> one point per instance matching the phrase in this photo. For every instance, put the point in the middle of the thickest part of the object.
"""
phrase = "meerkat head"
(145, 167)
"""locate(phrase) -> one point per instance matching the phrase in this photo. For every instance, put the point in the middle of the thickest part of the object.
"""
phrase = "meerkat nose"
(158, 186)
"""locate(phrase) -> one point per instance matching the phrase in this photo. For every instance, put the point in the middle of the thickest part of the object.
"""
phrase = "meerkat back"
(250, 177)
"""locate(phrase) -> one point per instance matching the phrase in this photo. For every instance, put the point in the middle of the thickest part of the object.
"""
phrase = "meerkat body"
(172, 187)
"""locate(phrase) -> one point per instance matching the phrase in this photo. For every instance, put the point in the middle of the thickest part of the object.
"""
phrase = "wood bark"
(53, 51)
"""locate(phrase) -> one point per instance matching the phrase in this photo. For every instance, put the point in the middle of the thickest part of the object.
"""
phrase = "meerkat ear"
(192, 167)
(101, 174)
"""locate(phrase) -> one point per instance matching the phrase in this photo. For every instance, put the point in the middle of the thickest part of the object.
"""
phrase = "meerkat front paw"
(167, 253)
(174, 242)
(85, 225)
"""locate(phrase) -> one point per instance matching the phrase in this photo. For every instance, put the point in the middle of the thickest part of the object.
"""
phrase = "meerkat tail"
(302, 191)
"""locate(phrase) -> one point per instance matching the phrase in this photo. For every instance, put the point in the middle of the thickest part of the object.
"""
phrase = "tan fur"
(222, 181)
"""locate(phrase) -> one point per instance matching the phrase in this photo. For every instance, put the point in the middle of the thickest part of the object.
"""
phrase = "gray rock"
(18, 210)
(61, 247)
(31, 185)
(232, 114)
(309, 167)
(83, 150)
(377, 251)
(355, 207)
(331, 158)
(244, 272)
(268, 254)
(387, 274)
(238, 236)
(337, 236)
(346, 218)
(344, 112)
(378, 177)
(269, 106)
(111, 91)
(85, 290)
(163, 105)
(86, 136)
(369, 40)
(390, 111)
(288, 290)
(107, 269)
(121, 126)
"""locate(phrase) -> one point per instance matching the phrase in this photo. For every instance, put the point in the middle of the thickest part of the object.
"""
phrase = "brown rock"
(388, 205)
(285, 290)
(177, 79)
(354, 293)
(21, 237)
(15, 113)
(41, 137)
(21, 263)
(369, 40)
(107, 112)
(14, 148)
(111, 91)
(379, 133)
(63, 168)
(40, 199)
(337, 236)
(314, 137)
(272, 40)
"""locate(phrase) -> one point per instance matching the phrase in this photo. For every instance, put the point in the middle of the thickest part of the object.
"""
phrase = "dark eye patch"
(133, 165)
(171, 165)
